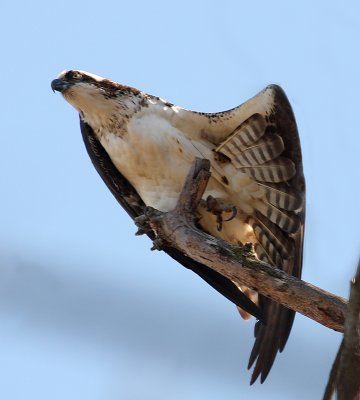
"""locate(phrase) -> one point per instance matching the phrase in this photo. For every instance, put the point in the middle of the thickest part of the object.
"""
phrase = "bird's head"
(97, 99)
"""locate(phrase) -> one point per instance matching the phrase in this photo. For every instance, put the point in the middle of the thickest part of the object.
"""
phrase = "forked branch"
(178, 229)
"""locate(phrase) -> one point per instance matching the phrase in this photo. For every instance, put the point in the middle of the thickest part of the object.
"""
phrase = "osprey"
(143, 147)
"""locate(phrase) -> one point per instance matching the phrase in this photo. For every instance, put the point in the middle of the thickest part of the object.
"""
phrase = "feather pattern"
(280, 170)
(143, 146)
(282, 196)
(287, 221)
(265, 149)
(279, 217)
(249, 132)
(265, 230)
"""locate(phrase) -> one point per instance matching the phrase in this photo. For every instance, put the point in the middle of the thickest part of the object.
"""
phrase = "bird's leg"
(218, 207)
(142, 221)
(142, 224)
(147, 224)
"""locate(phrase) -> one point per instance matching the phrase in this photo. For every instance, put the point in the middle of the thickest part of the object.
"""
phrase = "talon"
(219, 222)
(140, 220)
(158, 244)
(211, 204)
(233, 215)
(140, 232)
(217, 207)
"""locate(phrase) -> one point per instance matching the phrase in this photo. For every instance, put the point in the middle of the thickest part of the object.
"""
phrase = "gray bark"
(178, 229)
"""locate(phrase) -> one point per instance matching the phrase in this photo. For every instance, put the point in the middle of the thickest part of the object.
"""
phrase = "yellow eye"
(76, 75)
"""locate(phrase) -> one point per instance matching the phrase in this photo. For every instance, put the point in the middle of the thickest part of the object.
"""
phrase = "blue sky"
(86, 310)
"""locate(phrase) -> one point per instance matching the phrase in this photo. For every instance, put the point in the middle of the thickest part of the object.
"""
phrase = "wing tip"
(260, 370)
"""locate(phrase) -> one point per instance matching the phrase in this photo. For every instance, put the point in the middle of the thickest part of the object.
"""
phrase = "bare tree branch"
(178, 229)
(345, 374)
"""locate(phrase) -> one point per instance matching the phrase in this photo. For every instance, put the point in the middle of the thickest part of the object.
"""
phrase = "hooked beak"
(59, 85)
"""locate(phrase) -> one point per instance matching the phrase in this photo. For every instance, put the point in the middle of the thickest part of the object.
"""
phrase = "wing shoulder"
(217, 126)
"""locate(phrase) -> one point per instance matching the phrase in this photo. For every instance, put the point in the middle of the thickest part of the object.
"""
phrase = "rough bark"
(178, 229)
(344, 378)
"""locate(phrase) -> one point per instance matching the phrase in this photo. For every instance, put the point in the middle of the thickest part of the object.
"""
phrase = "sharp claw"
(217, 208)
(233, 215)
(140, 220)
(158, 244)
(140, 232)
(211, 203)
(219, 221)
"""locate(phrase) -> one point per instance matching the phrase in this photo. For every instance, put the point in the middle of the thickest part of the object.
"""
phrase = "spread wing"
(129, 199)
(260, 139)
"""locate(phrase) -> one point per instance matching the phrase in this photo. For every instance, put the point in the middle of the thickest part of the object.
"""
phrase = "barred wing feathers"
(260, 139)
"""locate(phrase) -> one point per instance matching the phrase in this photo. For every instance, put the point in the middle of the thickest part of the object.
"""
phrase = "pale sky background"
(86, 310)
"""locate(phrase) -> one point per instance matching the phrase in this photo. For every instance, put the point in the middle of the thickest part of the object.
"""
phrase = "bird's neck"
(111, 115)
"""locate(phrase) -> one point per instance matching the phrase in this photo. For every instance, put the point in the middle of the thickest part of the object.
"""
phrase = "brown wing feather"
(251, 132)
(266, 147)
(272, 337)
(282, 196)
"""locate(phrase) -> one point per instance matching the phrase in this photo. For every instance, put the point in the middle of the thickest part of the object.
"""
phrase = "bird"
(143, 146)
